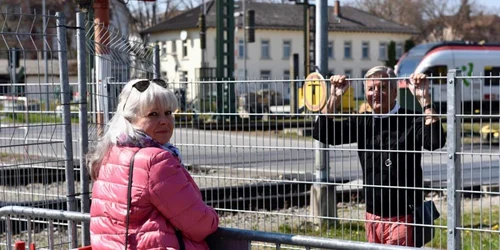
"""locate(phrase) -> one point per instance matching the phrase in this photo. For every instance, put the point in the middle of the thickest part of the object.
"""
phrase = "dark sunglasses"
(142, 85)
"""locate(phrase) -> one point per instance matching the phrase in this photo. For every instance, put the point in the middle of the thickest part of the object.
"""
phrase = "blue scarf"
(142, 140)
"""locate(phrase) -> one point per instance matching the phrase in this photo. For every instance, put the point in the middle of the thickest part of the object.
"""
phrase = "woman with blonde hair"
(142, 196)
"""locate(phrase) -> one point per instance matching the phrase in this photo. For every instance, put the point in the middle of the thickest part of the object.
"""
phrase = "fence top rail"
(44, 213)
(298, 240)
(228, 233)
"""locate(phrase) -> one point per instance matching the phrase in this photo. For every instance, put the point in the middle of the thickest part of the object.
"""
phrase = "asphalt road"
(261, 152)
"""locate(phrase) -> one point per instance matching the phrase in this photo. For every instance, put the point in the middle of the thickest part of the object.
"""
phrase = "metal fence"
(251, 154)
(270, 152)
(45, 221)
(36, 140)
(43, 113)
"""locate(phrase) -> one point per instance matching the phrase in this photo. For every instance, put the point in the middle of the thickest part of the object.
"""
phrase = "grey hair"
(385, 72)
(132, 105)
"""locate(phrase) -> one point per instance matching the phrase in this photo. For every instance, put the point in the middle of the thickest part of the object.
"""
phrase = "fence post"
(454, 168)
(8, 230)
(65, 103)
(156, 62)
(83, 123)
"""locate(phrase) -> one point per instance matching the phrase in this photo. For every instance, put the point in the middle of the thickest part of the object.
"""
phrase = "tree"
(391, 55)
(428, 17)
(408, 45)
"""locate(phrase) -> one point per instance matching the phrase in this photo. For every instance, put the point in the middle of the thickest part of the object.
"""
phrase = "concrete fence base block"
(323, 204)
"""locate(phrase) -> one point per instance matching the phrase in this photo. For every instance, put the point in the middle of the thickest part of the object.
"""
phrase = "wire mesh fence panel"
(34, 96)
(480, 161)
(32, 128)
(265, 149)
(115, 58)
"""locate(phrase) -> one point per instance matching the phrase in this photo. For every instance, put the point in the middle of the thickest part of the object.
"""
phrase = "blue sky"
(489, 3)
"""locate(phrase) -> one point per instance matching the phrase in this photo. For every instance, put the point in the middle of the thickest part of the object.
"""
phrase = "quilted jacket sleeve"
(177, 197)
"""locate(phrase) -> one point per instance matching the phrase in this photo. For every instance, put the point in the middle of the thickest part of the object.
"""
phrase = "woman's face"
(157, 123)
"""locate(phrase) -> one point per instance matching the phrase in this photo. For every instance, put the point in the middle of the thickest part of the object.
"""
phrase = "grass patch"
(6, 156)
(474, 128)
(32, 118)
(476, 236)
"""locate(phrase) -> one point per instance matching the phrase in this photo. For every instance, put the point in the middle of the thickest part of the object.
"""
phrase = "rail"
(222, 239)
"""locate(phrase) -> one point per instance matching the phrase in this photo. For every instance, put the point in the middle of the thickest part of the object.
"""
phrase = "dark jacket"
(389, 153)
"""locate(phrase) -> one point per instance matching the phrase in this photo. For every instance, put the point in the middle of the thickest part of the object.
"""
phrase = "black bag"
(424, 215)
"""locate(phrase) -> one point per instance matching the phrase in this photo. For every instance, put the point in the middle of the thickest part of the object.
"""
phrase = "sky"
(486, 3)
(489, 3)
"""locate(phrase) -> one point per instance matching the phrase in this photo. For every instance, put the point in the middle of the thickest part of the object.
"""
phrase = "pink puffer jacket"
(164, 197)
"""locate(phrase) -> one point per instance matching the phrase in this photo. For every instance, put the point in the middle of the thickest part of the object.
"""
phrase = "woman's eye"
(168, 113)
(153, 114)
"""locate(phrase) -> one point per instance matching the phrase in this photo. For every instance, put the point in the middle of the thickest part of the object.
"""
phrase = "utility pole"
(226, 100)
(46, 75)
(102, 60)
(245, 45)
(323, 196)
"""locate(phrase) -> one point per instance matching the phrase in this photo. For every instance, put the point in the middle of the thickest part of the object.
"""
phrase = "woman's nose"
(163, 119)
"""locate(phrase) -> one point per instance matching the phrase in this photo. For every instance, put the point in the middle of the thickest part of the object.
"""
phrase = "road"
(271, 153)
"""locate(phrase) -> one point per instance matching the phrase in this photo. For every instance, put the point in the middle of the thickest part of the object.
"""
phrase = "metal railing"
(222, 239)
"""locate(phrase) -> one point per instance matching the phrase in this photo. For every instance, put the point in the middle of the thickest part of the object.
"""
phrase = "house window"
(286, 74)
(399, 50)
(286, 49)
(365, 50)
(331, 72)
(363, 72)
(348, 72)
(347, 50)
(330, 50)
(174, 47)
(184, 48)
(241, 48)
(164, 48)
(264, 50)
(286, 84)
(382, 51)
(265, 75)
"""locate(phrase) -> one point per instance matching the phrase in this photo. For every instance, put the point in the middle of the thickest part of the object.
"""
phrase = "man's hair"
(383, 71)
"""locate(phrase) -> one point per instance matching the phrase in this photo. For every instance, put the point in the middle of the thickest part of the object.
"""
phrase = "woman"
(166, 207)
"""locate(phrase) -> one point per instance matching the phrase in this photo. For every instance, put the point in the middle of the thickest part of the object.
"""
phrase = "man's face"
(379, 94)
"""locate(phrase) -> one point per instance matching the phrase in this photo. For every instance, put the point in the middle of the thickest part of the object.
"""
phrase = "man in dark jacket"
(390, 141)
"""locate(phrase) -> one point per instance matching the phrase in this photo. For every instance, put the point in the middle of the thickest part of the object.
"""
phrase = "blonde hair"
(132, 104)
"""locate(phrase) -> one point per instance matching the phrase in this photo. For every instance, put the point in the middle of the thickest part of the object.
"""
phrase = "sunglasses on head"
(142, 85)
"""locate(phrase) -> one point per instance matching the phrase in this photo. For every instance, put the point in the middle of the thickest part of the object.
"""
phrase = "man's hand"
(338, 86)
(419, 87)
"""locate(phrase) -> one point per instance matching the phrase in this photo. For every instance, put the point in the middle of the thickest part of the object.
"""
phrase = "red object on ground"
(20, 245)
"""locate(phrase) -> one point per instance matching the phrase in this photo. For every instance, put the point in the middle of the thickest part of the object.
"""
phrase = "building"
(357, 41)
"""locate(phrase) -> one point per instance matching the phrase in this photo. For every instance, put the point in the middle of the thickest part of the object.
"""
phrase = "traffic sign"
(315, 92)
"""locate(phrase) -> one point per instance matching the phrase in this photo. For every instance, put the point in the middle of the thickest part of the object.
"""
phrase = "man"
(390, 141)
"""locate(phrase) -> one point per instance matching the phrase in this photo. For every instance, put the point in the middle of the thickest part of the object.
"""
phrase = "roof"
(287, 17)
